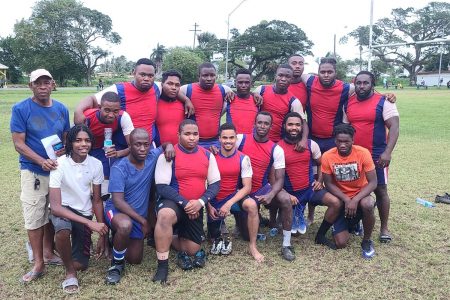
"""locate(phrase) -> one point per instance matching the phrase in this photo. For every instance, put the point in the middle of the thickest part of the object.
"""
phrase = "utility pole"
(195, 30)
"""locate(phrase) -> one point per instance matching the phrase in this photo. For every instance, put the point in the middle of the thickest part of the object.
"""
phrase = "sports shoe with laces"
(368, 251)
(216, 246)
(199, 259)
(357, 229)
(442, 199)
(184, 261)
(288, 253)
(114, 273)
(226, 246)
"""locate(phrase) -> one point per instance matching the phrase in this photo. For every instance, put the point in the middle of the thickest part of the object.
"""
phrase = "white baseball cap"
(39, 73)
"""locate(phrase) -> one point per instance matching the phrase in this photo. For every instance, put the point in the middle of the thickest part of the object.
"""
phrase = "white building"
(432, 78)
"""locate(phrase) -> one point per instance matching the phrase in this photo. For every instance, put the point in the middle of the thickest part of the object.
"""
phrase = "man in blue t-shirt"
(126, 212)
(39, 125)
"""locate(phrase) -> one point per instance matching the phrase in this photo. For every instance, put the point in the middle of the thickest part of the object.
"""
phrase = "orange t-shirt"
(349, 172)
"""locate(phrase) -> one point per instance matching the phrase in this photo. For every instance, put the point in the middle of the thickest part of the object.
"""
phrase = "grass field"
(416, 265)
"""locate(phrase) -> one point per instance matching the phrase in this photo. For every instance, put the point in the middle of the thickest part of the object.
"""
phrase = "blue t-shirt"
(134, 183)
(38, 122)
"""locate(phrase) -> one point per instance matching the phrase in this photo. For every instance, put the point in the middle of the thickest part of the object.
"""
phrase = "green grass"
(416, 265)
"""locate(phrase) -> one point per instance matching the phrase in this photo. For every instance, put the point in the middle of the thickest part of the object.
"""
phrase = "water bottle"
(425, 202)
(273, 232)
(261, 237)
(108, 138)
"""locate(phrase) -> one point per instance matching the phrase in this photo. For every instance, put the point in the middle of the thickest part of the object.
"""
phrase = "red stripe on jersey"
(230, 174)
(141, 106)
(208, 106)
(190, 172)
(298, 167)
(324, 106)
(170, 115)
(261, 158)
(97, 127)
(278, 105)
(299, 91)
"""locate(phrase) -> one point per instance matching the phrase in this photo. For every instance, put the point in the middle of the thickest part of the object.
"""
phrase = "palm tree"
(157, 56)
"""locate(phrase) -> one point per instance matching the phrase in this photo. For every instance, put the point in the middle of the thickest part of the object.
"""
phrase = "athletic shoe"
(295, 221)
(288, 253)
(226, 246)
(162, 272)
(443, 199)
(217, 246)
(114, 273)
(301, 224)
(273, 231)
(357, 229)
(184, 261)
(368, 251)
(322, 240)
(199, 259)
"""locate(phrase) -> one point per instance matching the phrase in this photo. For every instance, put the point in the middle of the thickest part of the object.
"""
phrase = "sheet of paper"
(48, 143)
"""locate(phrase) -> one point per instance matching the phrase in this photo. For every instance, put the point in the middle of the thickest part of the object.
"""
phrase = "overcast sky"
(143, 23)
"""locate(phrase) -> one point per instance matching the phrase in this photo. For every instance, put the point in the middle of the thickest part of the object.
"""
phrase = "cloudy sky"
(143, 23)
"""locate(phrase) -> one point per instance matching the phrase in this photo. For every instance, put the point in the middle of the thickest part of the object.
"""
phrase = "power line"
(195, 30)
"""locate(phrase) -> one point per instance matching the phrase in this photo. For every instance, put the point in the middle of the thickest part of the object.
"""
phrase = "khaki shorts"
(34, 202)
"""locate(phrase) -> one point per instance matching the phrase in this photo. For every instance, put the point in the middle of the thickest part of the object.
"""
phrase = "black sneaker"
(200, 259)
(226, 246)
(162, 272)
(288, 253)
(368, 251)
(322, 240)
(114, 273)
(442, 199)
(184, 261)
(151, 242)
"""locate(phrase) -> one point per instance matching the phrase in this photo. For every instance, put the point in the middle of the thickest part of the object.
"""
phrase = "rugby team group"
(150, 159)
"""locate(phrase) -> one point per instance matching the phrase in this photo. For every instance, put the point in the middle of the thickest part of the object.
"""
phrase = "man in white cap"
(39, 126)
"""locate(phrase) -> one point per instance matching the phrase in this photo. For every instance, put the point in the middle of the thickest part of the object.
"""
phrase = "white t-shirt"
(74, 180)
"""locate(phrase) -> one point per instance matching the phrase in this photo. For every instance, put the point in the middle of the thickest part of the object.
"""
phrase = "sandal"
(385, 238)
(31, 276)
(70, 282)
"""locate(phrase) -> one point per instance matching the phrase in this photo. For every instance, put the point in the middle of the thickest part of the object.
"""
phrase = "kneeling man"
(349, 174)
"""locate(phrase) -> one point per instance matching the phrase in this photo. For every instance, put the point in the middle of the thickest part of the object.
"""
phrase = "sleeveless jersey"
(299, 91)
(242, 113)
(230, 174)
(170, 115)
(299, 171)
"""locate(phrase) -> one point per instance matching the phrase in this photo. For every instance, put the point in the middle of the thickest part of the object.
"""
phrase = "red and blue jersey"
(278, 105)
(324, 106)
(299, 167)
(299, 91)
(230, 174)
(367, 118)
(208, 106)
(190, 172)
(261, 157)
(242, 113)
(98, 129)
(141, 106)
(170, 115)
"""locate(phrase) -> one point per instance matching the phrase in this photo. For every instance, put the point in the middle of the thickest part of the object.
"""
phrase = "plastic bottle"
(425, 202)
(261, 237)
(108, 138)
(273, 231)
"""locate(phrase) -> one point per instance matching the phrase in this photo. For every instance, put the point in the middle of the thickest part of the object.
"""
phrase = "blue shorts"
(110, 211)
(310, 196)
(382, 174)
(343, 224)
(235, 208)
(324, 144)
(207, 143)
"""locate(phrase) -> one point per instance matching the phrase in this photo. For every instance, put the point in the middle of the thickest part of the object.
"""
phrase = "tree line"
(63, 35)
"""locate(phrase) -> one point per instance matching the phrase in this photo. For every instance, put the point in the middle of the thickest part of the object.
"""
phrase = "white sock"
(286, 238)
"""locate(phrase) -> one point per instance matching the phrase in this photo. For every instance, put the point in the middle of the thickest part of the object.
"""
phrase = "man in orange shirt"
(349, 174)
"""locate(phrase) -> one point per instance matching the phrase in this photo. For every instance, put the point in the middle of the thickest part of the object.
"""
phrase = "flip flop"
(56, 261)
(31, 276)
(385, 238)
(72, 281)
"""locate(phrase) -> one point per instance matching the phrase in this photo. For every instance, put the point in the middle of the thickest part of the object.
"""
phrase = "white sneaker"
(226, 246)
(216, 247)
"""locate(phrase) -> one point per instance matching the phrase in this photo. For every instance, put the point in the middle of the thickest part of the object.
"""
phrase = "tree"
(185, 61)
(267, 44)
(9, 59)
(408, 25)
(158, 56)
(208, 43)
(63, 36)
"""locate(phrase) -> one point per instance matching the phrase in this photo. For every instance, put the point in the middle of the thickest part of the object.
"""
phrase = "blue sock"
(118, 256)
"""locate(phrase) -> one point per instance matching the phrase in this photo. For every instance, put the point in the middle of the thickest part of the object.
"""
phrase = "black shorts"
(189, 229)
(81, 236)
